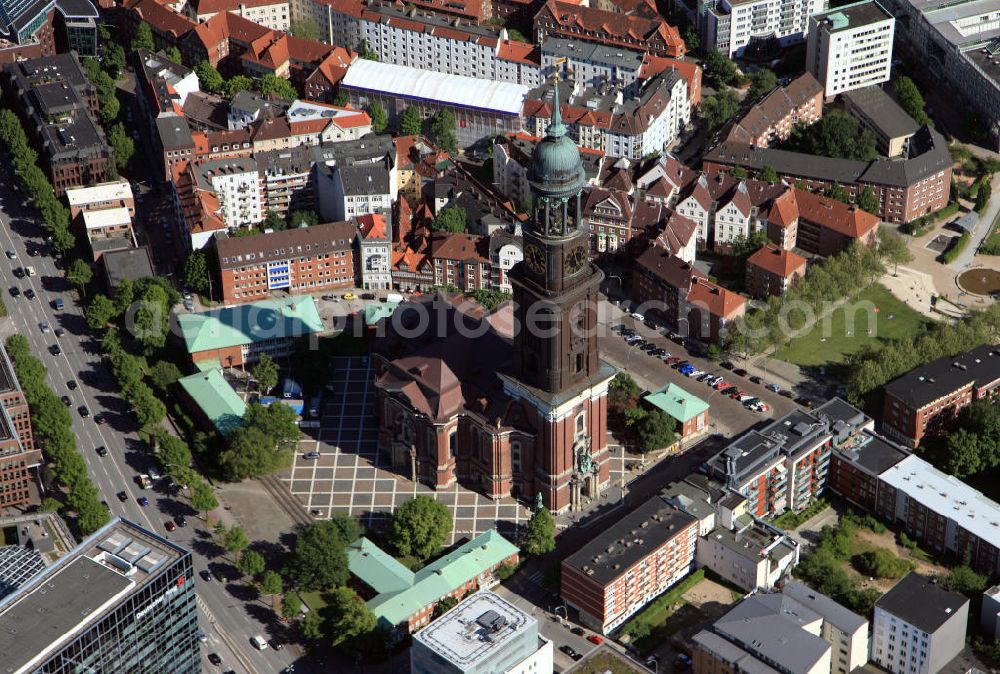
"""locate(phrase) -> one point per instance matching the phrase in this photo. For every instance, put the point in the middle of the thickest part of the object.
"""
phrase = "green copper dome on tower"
(555, 165)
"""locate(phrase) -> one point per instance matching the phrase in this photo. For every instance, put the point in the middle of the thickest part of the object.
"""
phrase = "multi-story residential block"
(58, 104)
(76, 27)
(404, 600)
(587, 65)
(505, 252)
(374, 252)
(301, 260)
(138, 611)
(321, 84)
(780, 467)
(238, 335)
(424, 40)
(772, 271)
(287, 180)
(236, 184)
(879, 113)
(733, 26)
(162, 87)
(855, 469)
(18, 455)
(956, 42)
(592, 24)
(168, 25)
(319, 123)
(484, 632)
(918, 626)
(724, 207)
(828, 226)
(175, 142)
(356, 190)
(692, 306)
(906, 189)
(927, 399)
(844, 630)
(752, 554)
(108, 230)
(629, 563)
(850, 47)
(273, 14)
(779, 634)
(482, 108)
(249, 107)
(608, 213)
(777, 115)
(113, 194)
(461, 260)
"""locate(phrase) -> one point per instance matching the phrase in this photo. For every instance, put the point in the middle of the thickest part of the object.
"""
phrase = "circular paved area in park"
(980, 281)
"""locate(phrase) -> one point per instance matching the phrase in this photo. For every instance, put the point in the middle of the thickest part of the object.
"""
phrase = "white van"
(394, 298)
(258, 642)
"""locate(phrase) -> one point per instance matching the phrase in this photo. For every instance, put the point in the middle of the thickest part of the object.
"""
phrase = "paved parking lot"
(351, 477)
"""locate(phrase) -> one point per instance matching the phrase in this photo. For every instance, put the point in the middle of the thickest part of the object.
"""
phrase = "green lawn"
(829, 341)
(607, 662)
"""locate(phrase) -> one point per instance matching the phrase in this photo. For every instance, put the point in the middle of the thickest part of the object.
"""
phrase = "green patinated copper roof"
(376, 311)
(249, 323)
(429, 584)
(677, 402)
(217, 400)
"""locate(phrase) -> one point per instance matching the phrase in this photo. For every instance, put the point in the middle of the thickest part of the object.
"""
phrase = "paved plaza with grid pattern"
(351, 477)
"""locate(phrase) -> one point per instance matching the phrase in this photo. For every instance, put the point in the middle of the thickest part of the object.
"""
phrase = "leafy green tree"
(196, 271)
(367, 53)
(266, 373)
(350, 618)
(964, 457)
(298, 218)
(250, 453)
(278, 422)
(837, 192)
(319, 558)
(79, 274)
(910, 99)
(445, 605)
(380, 120)
(143, 38)
(836, 134)
(209, 78)
(306, 29)
(174, 54)
(442, 131)
(983, 196)
(290, 605)
(893, 249)
(122, 144)
(718, 110)
(235, 540)
(270, 583)
(964, 580)
(151, 319)
(107, 97)
(880, 563)
(173, 453)
(420, 527)
(114, 59)
(762, 82)
(451, 219)
(312, 625)
(237, 84)
(164, 374)
(341, 99)
(49, 505)
(251, 563)
(692, 39)
(280, 87)
(655, 431)
(540, 534)
(623, 394)
(124, 296)
(273, 220)
(149, 410)
(202, 497)
(867, 201)
(768, 174)
(720, 69)
(412, 122)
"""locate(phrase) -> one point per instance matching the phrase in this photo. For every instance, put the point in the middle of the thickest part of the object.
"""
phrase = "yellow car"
(349, 296)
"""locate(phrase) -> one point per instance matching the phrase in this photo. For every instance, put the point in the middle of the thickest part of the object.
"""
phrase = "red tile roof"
(609, 27)
(653, 65)
(521, 52)
(779, 262)
(716, 299)
(161, 19)
(372, 226)
(836, 215)
(784, 210)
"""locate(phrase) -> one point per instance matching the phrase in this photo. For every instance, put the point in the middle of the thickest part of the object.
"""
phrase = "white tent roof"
(457, 90)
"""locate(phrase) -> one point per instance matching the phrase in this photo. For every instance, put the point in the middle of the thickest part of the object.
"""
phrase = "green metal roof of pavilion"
(677, 402)
(377, 568)
(249, 323)
(430, 583)
(217, 400)
(376, 311)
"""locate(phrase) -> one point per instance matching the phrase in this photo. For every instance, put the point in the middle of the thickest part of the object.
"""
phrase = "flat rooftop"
(475, 628)
(594, 53)
(853, 16)
(50, 609)
(872, 452)
(921, 602)
(107, 217)
(110, 191)
(923, 385)
(882, 111)
(754, 451)
(613, 551)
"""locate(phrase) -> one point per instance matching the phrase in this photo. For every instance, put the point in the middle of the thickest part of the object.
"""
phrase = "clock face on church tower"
(534, 257)
(574, 260)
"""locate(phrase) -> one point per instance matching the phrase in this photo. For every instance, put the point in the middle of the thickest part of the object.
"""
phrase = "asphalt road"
(235, 620)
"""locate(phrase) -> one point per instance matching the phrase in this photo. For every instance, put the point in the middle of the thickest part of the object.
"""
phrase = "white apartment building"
(418, 39)
(753, 557)
(273, 14)
(351, 191)
(114, 194)
(236, 184)
(375, 251)
(730, 25)
(918, 626)
(590, 65)
(846, 631)
(850, 47)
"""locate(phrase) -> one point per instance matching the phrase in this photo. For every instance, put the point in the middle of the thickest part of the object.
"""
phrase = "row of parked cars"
(719, 383)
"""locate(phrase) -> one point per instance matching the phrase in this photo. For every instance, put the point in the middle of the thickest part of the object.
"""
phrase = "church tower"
(556, 365)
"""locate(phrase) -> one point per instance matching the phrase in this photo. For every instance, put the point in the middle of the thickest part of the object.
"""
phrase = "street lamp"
(565, 616)
(655, 663)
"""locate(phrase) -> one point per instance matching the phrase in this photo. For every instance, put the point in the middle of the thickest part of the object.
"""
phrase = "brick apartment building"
(926, 400)
(58, 104)
(17, 451)
(775, 117)
(302, 260)
(591, 24)
(906, 188)
(624, 567)
(772, 271)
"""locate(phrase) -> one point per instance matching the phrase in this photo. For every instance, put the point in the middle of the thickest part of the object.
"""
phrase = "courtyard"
(351, 477)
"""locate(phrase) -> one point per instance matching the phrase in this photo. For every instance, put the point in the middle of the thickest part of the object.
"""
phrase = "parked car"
(729, 390)
(102, 451)
(143, 501)
(29, 293)
(181, 521)
(672, 360)
(122, 496)
(786, 393)
(44, 327)
(206, 575)
(761, 407)
(55, 350)
(578, 631)
(721, 385)
(595, 639)
(84, 412)
(727, 364)
(740, 372)
(756, 380)
(568, 650)
(214, 659)
(15, 291)
(349, 296)
(311, 455)
(170, 526)
(11, 255)
(739, 393)
(773, 387)
(639, 317)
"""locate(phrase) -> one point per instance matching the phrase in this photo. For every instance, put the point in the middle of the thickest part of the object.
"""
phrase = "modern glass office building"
(121, 601)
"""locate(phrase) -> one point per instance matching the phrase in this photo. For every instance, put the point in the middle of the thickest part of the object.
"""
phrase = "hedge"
(956, 249)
